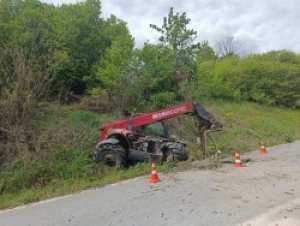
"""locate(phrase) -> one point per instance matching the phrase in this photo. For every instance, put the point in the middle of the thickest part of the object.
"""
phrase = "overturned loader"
(142, 137)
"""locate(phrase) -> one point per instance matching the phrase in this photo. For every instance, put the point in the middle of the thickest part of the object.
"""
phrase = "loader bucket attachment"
(207, 124)
(208, 121)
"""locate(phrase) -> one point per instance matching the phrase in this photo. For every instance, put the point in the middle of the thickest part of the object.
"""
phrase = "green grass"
(73, 134)
(246, 125)
(94, 176)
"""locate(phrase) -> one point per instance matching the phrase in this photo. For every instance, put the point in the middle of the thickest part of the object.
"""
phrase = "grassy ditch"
(62, 161)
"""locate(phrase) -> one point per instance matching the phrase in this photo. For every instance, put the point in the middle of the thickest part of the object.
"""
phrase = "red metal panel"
(163, 114)
(149, 118)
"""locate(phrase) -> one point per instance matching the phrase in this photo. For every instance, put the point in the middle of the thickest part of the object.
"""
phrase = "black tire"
(175, 152)
(113, 155)
(169, 156)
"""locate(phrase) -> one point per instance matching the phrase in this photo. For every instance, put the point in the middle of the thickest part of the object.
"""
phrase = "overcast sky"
(259, 25)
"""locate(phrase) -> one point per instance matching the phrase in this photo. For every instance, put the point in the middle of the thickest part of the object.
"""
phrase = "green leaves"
(86, 54)
(78, 37)
(174, 31)
(271, 78)
(112, 68)
(154, 72)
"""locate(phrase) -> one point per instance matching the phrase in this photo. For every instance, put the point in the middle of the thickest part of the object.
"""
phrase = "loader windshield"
(155, 129)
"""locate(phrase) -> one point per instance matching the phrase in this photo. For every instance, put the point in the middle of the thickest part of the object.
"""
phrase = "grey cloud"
(262, 25)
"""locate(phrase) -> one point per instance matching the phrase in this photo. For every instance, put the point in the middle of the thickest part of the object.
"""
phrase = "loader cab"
(157, 129)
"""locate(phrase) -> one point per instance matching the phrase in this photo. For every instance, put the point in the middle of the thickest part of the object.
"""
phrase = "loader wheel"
(175, 152)
(169, 156)
(113, 155)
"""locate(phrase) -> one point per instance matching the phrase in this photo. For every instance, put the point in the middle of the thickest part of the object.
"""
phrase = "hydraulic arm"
(206, 120)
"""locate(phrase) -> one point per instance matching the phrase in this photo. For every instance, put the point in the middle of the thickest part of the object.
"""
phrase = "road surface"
(264, 193)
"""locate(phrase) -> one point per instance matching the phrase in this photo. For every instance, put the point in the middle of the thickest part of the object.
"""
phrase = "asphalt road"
(264, 193)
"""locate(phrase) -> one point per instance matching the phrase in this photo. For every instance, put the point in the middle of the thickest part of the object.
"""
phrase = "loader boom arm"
(187, 108)
(163, 114)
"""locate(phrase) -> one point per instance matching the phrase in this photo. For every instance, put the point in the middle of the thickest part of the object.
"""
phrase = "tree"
(271, 78)
(228, 46)
(200, 84)
(180, 39)
(79, 44)
(205, 52)
(112, 67)
(152, 75)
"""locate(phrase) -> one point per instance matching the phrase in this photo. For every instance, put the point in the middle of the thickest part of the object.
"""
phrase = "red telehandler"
(144, 137)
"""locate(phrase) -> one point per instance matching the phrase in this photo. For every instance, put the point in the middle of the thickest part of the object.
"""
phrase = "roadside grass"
(72, 135)
(246, 125)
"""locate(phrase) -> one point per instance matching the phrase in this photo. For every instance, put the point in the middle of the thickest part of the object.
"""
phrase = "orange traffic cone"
(263, 149)
(154, 177)
(237, 160)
